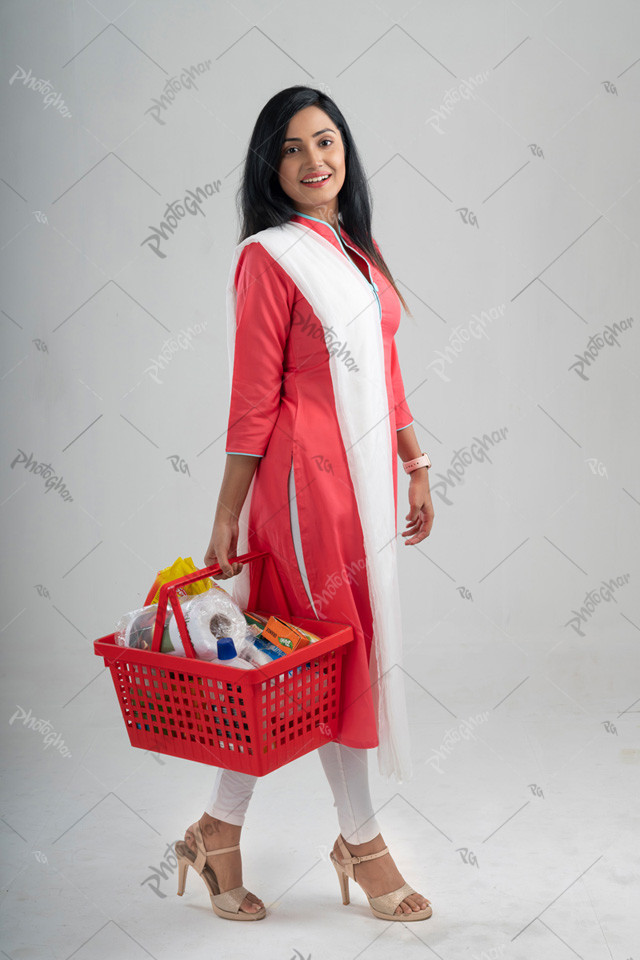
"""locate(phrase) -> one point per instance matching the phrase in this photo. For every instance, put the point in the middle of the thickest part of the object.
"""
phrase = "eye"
(324, 140)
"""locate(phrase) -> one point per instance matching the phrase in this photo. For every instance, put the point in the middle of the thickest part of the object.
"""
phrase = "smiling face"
(313, 148)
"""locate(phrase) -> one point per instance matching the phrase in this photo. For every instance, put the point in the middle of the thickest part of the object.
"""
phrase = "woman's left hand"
(420, 516)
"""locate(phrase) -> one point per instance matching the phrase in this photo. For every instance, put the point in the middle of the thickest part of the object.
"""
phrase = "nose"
(314, 155)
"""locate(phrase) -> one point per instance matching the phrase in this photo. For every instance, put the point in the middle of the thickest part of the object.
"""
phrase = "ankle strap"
(369, 856)
(202, 854)
(210, 853)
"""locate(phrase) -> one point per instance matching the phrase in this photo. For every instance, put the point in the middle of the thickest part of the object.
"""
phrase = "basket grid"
(225, 715)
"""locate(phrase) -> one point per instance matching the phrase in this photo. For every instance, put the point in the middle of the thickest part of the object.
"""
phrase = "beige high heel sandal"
(227, 904)
(384, 905)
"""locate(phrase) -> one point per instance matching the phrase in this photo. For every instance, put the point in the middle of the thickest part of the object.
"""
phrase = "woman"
(317, 417)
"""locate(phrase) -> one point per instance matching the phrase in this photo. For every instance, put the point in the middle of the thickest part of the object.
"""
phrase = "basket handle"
(168, 592)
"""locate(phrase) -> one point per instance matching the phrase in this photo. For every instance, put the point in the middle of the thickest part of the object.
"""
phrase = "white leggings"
(347, 771)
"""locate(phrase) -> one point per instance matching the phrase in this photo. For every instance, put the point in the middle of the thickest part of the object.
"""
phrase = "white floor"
(526, 839)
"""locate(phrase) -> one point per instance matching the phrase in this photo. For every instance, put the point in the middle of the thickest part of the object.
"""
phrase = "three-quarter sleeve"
(263, 320)
(403, 413)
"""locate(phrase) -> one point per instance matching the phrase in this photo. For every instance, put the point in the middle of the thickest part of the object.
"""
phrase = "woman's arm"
(238, 473)
(421, 513)
(263, 318)
(408, 447)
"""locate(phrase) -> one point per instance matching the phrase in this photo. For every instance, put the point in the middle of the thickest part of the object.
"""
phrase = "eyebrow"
(326, 130)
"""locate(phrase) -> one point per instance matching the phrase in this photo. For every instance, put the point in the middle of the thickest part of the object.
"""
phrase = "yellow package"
(180, 568)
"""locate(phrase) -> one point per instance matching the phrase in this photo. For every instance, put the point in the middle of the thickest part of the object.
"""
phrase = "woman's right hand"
(223, 542)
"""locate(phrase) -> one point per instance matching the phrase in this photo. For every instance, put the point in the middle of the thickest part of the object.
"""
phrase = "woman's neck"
(328, 214)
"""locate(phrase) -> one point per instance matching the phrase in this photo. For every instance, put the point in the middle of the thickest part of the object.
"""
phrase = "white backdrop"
(501, 143)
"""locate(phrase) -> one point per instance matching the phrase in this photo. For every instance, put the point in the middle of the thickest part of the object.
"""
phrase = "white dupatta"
(342, 300)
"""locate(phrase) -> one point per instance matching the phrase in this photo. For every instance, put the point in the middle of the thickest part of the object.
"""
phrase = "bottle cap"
(226, 649)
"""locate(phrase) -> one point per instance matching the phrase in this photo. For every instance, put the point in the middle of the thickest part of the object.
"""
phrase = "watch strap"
(416, 463)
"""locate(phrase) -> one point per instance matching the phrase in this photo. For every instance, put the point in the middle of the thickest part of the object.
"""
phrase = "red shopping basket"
(247, 720)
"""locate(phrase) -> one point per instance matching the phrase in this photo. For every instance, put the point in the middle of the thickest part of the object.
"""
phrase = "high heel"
(383, 906)
(227, 904)
(183, 866)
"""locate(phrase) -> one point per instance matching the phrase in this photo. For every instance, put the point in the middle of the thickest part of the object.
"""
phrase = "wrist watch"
(422, 461)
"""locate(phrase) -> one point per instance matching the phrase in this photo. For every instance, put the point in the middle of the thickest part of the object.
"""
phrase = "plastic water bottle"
(228, 657)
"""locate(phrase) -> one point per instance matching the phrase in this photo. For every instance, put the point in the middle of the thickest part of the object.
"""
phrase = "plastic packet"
(208, 616)
(180, 568)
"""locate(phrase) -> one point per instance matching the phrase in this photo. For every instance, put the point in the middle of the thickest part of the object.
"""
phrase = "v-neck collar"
(322, 227)
(340, 241)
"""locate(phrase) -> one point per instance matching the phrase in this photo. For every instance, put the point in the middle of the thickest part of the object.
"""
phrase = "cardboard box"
(284, 635)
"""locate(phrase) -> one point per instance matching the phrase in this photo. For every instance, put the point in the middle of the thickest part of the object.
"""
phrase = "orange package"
(285, 636)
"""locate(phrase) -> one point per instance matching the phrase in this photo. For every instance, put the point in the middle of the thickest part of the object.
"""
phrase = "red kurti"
(283, 409)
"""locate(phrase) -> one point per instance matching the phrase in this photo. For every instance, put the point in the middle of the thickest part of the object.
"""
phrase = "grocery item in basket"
(135, 629)
(227, 656)
(180, 568)
(209, 616)
(259, 651)
(286, 636)
(311, 637)
(255, 622)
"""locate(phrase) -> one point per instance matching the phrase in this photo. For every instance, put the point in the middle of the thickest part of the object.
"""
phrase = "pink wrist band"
(422, 461)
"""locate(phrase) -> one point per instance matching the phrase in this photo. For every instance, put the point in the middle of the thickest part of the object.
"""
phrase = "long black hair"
(263, 203)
